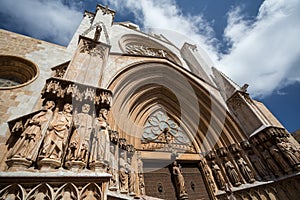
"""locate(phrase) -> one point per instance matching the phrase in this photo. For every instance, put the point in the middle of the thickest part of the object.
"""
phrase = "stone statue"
(80, 140)
(123, 173)
(287, 152)
(270, 162)
(179, 179)
(141, 184)
(112, 169)
(97, 33)
(131, 178)
(218, 175)
(100, 140)
(261, 169)
(57, 134)
(279, 159)
(245, 169)
(29, 142)
(231, 172)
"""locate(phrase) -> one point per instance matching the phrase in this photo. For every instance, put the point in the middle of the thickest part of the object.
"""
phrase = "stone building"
(122, 114)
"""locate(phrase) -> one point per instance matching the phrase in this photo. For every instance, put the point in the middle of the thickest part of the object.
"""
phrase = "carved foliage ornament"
(138, 49)
(91, 48)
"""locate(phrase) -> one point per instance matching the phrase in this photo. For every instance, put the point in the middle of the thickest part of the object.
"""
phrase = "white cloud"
(265, 54)
(48, 20)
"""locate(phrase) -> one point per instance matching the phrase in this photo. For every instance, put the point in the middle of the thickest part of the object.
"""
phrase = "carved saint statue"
(97, 33)
(57, 134)
(112, 168)
(245, 169)
(141, 184)
(80, 140)
(269, 160)
(288, 153)
(279, 158)
(123, 173)
(179, 179)
(29, 142)
(218, 175)
(231, 172)
(261, 169)
(131, 177)
(100, 140)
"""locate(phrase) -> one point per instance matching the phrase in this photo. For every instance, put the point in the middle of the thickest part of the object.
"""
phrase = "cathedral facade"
(123, 114)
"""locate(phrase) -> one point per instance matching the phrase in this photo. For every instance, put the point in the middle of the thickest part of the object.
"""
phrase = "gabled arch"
(14, 191)
(90, 191)
(67, 191)
(143, 88)
(42, 191)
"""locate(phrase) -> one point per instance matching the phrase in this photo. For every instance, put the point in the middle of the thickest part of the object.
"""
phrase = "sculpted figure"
(179, 179)
(279, 158)
(218, 175)
(141, 184)
(131, 177)
(112, 168)
(100, 140)
(80, 140)
(57, 134)
(270, 162)
(231, 172)
(261, 169)
(245, 169)
(288, 153)
(29, 142)
(123, 173)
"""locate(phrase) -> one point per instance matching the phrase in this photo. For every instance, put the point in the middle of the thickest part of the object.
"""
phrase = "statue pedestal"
(113, 188)
(133, 194)
(16, 164)
(48, 164)
(75, 166)
(98, 166)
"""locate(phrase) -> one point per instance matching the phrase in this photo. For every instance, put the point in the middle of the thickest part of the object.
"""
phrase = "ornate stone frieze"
(60, 70)
(138, 49)
(58, 88)
(91, 48)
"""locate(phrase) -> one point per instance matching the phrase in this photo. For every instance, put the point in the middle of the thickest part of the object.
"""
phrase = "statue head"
(68, 108)
(85, 108)
(49, 105)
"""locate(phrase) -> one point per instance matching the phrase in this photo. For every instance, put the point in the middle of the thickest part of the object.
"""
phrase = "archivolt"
(143, 88)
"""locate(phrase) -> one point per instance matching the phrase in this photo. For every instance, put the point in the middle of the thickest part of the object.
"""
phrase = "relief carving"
(279, 159)
(138, 49)
(161, 132)
(100, 138)
(80, 139)
(219, 179)
(112, 168)
(123, 173)
(260, 167)
(289, 152)
(232, 172)
(91, 48)
(245, 169)
(269, 160)
(54, 143)
(30, 139)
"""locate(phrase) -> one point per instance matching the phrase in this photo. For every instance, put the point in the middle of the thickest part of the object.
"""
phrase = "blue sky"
(252, 41)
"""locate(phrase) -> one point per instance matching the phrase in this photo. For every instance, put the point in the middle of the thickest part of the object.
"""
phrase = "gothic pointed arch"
(42, 191)
(90, 191)
(67, 191)
(142, 89)
(14, 191)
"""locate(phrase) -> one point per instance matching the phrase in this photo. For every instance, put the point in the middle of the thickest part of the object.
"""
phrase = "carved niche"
(163, 133)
